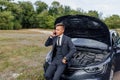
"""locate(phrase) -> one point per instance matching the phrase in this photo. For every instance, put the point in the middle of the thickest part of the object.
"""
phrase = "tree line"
(25, 14)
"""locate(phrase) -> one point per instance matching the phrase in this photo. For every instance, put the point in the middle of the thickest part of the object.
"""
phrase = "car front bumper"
(81, 75)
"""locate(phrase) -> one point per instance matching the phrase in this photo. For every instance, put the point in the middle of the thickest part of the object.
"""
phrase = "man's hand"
(64, 61)
(53, 34)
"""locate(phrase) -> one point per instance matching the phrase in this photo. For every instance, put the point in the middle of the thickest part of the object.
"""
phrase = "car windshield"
(89, 43)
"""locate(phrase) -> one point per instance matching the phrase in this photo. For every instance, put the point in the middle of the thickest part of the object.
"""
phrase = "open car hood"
(81, 26)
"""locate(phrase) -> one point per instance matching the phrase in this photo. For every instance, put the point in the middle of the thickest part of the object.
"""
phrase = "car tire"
(117, 62)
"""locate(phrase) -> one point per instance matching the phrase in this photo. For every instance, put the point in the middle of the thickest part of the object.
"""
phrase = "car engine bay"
(87, 57)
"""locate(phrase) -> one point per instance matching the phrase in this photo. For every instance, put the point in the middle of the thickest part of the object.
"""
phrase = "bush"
(6, 20)
(17, 25)
(4, 26)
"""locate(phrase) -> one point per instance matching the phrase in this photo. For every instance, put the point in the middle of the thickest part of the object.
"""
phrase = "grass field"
(22, 54)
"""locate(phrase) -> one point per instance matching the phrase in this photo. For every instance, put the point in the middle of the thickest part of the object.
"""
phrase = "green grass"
(22, 52)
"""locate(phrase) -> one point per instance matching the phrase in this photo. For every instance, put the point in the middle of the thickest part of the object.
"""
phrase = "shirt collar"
(61, 36)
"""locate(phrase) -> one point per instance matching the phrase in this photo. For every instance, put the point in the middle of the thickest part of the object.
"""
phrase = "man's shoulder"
(67, 37)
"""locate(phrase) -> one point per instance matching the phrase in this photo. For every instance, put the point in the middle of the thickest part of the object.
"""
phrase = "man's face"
(59, 30)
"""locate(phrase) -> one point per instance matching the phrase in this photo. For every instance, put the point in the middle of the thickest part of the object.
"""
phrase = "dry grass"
(22, 55)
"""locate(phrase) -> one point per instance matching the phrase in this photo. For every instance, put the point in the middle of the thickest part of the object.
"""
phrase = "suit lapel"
(63, 38)
(54, 42)
(53, 48)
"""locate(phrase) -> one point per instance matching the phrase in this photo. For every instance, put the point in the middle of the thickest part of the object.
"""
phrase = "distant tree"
(41, 6)
(53, 9)
(113, 21)
(93, 13)
(43, 20)
(17, 13)
(17, 25)
(50, 21)
(24, 15)
(80, 11)
(6, 20)
(10, 0)
(67, 10)
(27, 14)
(3, 5)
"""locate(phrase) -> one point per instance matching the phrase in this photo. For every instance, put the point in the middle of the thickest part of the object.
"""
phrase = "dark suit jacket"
(67, 48)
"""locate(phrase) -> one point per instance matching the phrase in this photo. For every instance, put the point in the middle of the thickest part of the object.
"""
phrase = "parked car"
(96, 48)
(116, 44)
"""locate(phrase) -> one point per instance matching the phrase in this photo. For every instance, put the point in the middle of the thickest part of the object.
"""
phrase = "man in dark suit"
(62, 51)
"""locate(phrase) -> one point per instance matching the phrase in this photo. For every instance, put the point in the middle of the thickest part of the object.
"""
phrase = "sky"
(107, 7)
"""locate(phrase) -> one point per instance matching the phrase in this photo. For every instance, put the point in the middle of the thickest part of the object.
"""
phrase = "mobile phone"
(54, 33)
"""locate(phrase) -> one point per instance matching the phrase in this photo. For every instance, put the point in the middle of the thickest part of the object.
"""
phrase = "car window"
(89, 43)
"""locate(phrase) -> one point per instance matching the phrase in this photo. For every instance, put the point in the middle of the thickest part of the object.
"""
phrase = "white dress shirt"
(60, 41)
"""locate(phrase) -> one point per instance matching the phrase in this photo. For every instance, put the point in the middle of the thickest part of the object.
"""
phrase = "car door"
(117, 55)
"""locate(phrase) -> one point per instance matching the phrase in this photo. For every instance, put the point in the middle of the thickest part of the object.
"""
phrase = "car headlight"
(97, 68)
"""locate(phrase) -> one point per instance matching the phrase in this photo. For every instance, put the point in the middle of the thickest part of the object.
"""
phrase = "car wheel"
(111, 73)
(117, 65)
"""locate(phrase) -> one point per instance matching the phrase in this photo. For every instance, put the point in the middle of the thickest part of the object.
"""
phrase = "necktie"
(58, 41)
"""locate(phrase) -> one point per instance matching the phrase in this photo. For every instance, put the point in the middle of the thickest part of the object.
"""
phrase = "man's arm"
(72, 50)
(49, 41)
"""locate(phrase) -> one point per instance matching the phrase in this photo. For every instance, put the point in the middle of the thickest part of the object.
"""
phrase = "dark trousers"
(55, 70)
